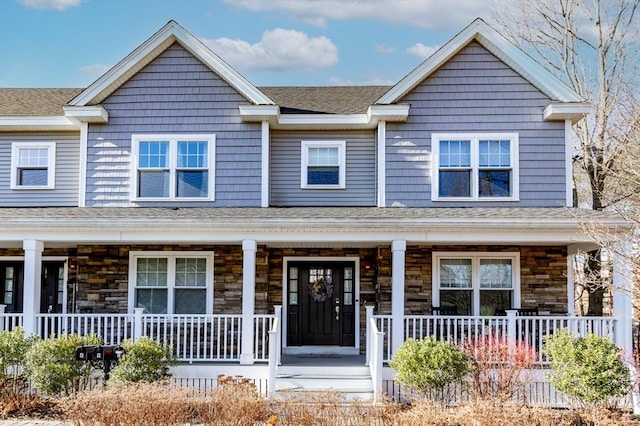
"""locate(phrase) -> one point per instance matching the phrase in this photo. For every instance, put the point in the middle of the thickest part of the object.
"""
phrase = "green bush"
(144, 361)
(52, 367)
(13, 349)
(429, 365)
(587, 368)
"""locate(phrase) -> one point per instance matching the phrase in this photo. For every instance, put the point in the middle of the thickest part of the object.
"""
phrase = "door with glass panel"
(11, 276)
(321, 304)
(51, 291)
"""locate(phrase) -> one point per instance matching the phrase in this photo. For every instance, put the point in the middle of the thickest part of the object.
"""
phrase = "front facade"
(174, 188)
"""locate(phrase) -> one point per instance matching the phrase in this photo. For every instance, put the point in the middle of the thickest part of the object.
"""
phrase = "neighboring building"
(175, 185)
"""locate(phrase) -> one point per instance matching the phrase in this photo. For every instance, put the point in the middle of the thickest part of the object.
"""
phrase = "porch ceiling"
(311, 227)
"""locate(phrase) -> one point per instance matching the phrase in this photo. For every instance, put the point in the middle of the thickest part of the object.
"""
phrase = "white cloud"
(384, 49)
(422, 51)
(428, 14)
(94, 70)
(278, 50)
(58, 5)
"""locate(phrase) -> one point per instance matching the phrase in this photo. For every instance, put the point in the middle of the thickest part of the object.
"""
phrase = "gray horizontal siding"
(175, 93)
(65, 193)
(285, 181)
(475, 92)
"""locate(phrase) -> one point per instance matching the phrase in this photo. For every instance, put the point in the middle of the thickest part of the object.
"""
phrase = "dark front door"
(321, 304)
(11, 276)
(51, 294)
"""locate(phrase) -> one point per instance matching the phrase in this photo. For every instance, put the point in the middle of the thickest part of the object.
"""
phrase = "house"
(175, 199)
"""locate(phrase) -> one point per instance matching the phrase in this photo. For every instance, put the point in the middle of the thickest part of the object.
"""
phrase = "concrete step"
(352, 382)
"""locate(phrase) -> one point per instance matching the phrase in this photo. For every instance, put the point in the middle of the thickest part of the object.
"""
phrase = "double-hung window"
(323, 164)
(476, 283)
(171, 282)
(475, 166)
(173, 167)
(33, 165)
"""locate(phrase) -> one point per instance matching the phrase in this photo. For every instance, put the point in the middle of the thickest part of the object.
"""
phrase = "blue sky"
(70, 43)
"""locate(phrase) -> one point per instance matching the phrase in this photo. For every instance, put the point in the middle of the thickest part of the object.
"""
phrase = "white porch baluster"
(397, 293)
(138, 329)
(32, 275)
(248, 300)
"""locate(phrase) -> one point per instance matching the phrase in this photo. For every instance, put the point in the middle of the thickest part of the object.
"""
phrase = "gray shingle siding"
(360, 170)
(175, 93)
(65, 193)
(475, 92)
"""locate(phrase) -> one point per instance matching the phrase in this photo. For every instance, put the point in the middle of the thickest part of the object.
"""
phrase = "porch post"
(398, 247)
(571, 282)
(248, 299)
(32, 276)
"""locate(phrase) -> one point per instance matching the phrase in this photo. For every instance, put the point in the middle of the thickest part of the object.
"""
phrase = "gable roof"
(495, 43)
(149, 50)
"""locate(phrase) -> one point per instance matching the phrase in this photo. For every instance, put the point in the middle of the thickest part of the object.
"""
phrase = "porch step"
(352, 381)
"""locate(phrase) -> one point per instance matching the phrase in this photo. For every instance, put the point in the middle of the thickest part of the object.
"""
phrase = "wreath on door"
(320, 290)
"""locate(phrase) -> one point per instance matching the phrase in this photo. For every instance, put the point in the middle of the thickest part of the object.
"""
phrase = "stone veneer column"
(398, 249)
(31, 290)
(249, 248)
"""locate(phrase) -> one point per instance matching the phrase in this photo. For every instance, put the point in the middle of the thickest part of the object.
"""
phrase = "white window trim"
(172, 255)
(304, 163)
(173, 140)
(475, 138)
(51, 164)
(475, 258)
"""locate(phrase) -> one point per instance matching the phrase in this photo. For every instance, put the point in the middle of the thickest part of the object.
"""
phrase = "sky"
(70, 43)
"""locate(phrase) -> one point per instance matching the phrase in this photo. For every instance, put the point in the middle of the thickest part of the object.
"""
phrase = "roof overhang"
(375, 114)
(90, 114)
(37, 124)
(558, 111)
(300, 226)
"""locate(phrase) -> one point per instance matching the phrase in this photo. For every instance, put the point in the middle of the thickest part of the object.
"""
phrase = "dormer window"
(33, 165)
(173, 167)
(323, 164)
(475, 167)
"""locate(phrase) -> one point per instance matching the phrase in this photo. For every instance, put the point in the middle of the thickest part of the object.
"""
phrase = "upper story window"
(33, 165)
(173, 167)
(475, 166)
(171, 282)
(323, 164)
(476, 283)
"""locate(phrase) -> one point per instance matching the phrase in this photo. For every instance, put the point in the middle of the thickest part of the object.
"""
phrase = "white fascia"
(47, 123)
(560, 111)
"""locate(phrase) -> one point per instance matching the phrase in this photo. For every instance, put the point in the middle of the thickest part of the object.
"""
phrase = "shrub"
(499, 368)
(52, 366)
(428, 365)
(13, 349)
(586, 368)
(144, 361)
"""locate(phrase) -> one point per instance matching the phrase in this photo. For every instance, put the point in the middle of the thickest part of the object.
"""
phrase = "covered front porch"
(254, 271)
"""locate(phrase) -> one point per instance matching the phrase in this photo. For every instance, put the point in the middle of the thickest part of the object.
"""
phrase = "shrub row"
(587, 369)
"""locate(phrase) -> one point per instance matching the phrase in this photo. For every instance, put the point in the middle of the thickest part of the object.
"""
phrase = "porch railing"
(519, 329)
(192, 337)
(375, 351)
